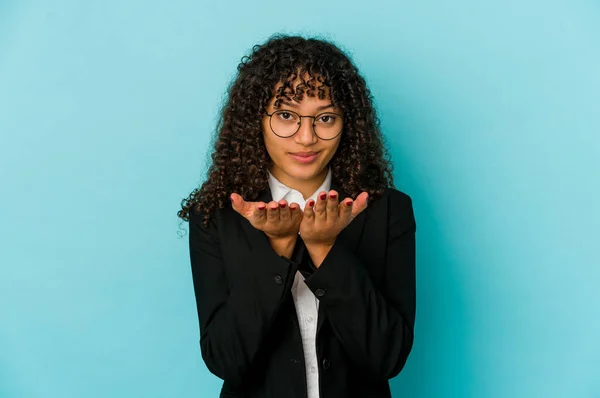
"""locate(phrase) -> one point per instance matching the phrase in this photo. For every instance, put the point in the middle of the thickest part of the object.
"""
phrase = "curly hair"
(240, 161)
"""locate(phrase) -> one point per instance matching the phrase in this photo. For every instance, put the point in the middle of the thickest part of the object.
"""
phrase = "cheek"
(333, 148)
(272, 146)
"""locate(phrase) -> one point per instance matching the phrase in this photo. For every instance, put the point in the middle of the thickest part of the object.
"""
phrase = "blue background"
(492, 113)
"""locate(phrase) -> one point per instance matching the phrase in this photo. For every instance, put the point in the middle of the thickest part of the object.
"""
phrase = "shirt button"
(309, 319)
(278, 279)
(313, 369)
(319, 292)
(326, 363)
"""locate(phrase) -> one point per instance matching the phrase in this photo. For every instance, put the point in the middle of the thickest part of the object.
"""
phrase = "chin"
(303, 173)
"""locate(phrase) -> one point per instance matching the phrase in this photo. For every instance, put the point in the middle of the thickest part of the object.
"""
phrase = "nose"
(306, 133)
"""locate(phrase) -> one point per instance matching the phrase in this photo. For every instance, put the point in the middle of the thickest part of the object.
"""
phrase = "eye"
(327, 119)
(284, 116)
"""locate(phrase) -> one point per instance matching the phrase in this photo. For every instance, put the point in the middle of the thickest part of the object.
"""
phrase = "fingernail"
(312, 202)
(349, 203)
(261, 207)
(282, 205)
(323, 196)
(333, 195)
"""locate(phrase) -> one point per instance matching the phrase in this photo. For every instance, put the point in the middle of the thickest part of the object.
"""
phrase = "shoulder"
(220, 219)
(396, 196)
(393, 198)
(198, 227)
(395, 205)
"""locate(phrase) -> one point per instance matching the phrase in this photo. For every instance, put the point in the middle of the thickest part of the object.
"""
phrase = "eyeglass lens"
(286, 123)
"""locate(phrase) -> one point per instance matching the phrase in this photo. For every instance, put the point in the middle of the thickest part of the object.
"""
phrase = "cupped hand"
(324, 220)
(275, 219)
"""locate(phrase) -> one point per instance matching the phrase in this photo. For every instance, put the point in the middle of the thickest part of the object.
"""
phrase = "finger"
(346, 209)
(309, 212)
(332, 205)
(284, 211)
(295, 211)
(321, 205)
(273, 212)
(360, 203)
(260, 213)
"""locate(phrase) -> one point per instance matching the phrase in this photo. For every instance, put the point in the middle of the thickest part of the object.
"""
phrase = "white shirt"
(307, 305)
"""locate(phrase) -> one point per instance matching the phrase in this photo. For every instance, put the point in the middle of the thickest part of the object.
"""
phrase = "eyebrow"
(319, 108)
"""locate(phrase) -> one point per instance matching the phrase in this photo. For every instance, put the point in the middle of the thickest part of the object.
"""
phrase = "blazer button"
(278, 279)
(319, 292)
(326, 363)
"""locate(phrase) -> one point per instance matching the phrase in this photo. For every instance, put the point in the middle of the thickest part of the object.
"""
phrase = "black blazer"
(249, 334)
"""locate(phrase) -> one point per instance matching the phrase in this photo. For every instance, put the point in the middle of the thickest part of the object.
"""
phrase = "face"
(304, 173)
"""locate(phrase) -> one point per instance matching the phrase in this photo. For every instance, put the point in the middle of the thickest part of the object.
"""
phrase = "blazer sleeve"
(233, 321)
(375, 326)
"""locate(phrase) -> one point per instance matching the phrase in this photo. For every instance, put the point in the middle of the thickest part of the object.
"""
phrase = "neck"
(305, 187)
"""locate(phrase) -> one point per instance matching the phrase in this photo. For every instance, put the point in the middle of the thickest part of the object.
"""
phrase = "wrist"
(318, 251)
(319, 245)
(283, 246)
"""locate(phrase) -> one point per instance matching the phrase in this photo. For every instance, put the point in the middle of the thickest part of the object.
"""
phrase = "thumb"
(360, 203)
(237, 202)
(241, 206)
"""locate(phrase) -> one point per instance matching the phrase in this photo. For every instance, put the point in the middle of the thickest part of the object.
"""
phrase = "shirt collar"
(279, 190)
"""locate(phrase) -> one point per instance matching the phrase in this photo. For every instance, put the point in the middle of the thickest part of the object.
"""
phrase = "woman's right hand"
(276, 219)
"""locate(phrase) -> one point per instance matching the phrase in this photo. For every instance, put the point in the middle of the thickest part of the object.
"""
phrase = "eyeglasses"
(285, 123)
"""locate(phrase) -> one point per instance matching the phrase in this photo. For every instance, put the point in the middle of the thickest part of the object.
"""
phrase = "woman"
(302, 252)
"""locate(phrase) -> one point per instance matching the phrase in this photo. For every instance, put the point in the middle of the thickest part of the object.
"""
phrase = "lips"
(304, 157)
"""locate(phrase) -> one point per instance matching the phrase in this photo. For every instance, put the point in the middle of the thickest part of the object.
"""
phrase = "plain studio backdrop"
(492, 114)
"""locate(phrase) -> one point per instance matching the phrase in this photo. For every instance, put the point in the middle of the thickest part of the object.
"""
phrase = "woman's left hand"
(325, 219)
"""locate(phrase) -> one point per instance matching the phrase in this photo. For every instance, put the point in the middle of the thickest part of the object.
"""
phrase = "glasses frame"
(300, 123)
